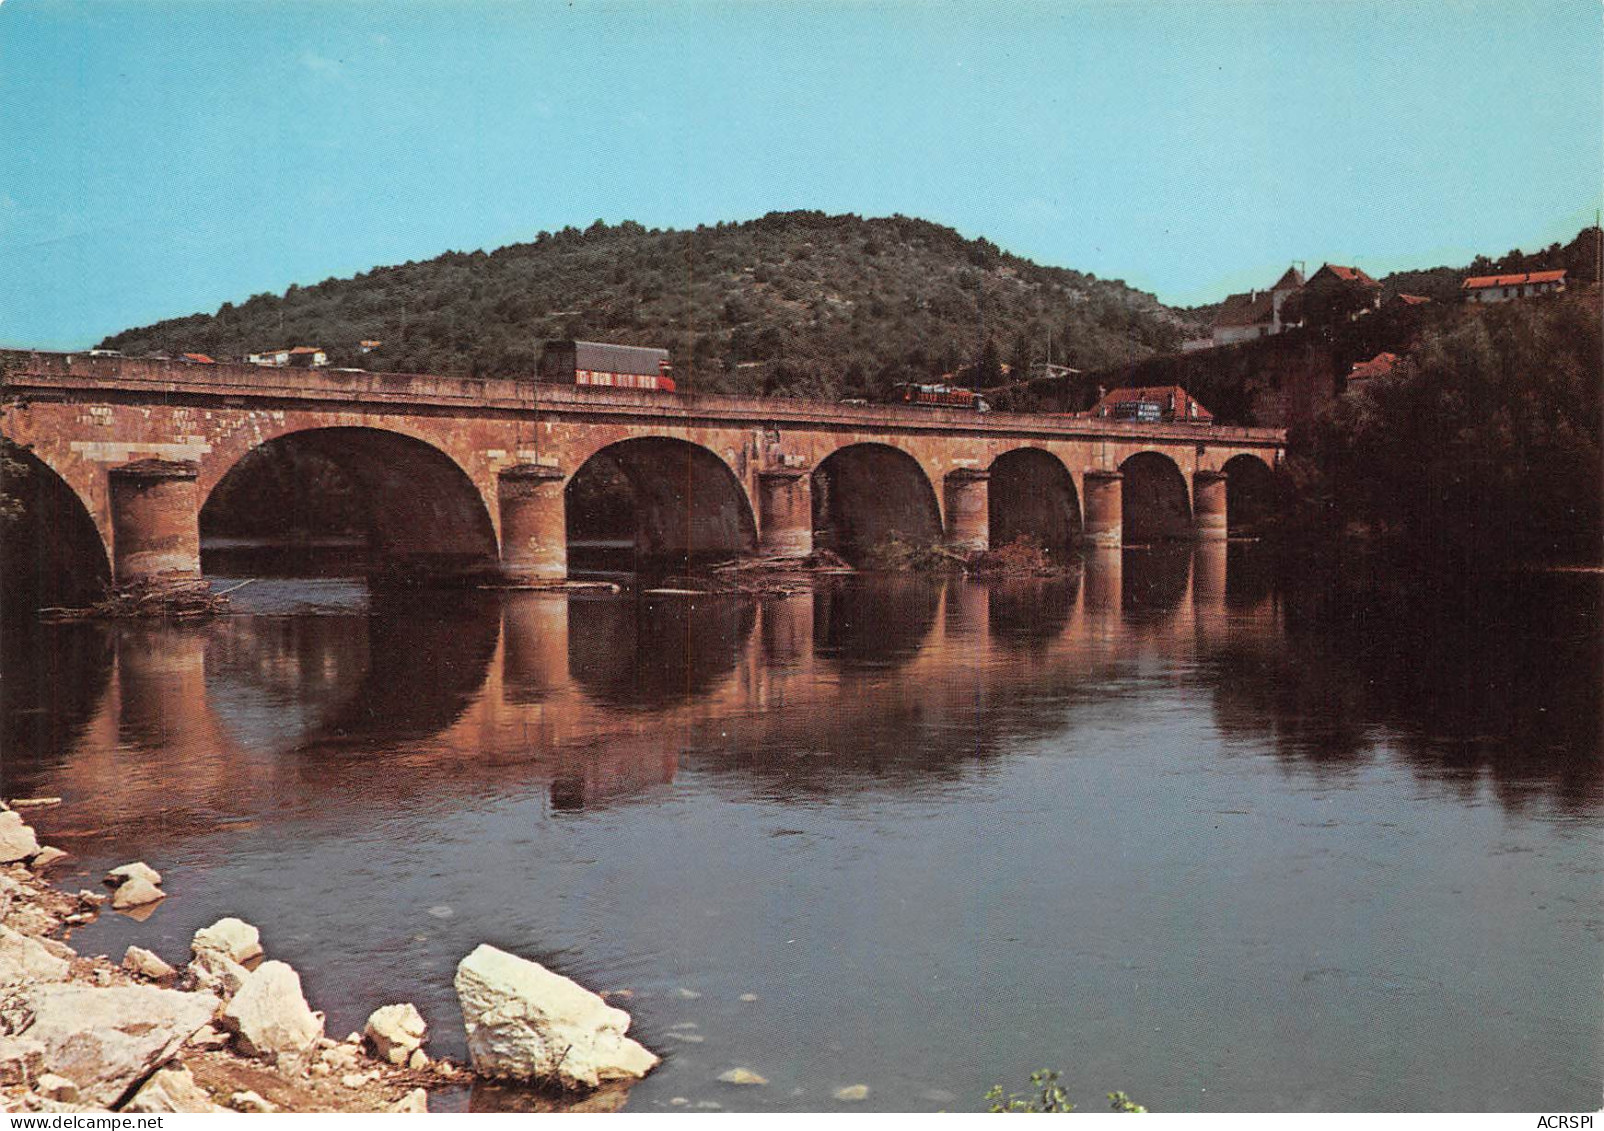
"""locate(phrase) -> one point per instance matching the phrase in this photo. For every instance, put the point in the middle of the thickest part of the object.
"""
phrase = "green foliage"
(1048, 1097)
(1481, 450)
(794, 303)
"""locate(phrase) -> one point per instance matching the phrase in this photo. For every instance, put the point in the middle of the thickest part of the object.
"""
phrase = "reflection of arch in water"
(53, 677)
(1153, 582)
(864, 495)
(51, 553)
(1154, 499)
(655, 503)
(1027, 614)
(427, 659)
(1032, 494)
(399, 504)
(1250, 495)
(874, 622)
(1249, 574)
(651, 652)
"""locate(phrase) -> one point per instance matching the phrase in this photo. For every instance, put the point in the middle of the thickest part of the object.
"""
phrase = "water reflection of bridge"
(592, 699)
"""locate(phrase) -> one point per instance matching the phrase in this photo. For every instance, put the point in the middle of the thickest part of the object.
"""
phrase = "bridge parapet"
(27, 371)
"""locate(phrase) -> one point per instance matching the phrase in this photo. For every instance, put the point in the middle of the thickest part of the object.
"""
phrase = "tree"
(988, 373)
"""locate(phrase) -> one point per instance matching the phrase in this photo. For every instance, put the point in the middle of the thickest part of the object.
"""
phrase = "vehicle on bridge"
(568, 362)
(939, 396)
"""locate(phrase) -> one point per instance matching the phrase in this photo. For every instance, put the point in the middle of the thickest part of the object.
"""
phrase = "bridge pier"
(785, 513)
(534, 533)
(1104, 495)
(968, 511)
(155, 521)
(1209, 519)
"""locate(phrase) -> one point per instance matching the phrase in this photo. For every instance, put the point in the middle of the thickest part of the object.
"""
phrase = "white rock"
(852, 1092)
(106, 1039)
(418, 1061)
(233, 938)
(17, 841)
(57, 1088)
(744, 1076)
(269, 1014)
(171, 1090)
(119, 876)
(355, 1080)
(342, 1058)
(250, 1102)
(47, 856)
(526, 1023)
(23, 959)
(415, 1102)
(57, 947)
(136, 891)
(216, 973)
(395, 1032)
(140, 961)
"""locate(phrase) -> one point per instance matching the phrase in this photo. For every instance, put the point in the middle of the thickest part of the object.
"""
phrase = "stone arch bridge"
(472, 476)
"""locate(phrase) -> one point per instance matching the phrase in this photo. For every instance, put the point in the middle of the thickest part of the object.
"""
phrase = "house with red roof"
(1379, 366)
(1520, 284)
(1255, 314)
(1151, 404)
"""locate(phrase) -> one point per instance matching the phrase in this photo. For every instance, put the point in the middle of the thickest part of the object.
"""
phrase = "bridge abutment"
(785, 513)
(155, 520)
(968, 511)
(534, 535)
(1209, 514)
(1104, 498)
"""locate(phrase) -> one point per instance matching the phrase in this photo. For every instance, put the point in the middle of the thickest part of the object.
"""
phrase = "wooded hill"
(794, 303)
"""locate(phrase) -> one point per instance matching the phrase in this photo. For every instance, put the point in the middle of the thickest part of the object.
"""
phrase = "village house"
(1381, 365)
(1360, 293)
(1151, 404)
(1502, 288)
(1254, 314)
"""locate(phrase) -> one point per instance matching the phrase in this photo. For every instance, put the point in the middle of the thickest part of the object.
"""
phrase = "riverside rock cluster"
(230, 1029)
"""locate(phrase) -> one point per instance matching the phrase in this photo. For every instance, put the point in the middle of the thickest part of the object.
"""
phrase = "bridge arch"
(866, 494)
(52, 552)
(351, 500)
(654, 503)
(1250, 494)
(1032, 493)
(1155, 499)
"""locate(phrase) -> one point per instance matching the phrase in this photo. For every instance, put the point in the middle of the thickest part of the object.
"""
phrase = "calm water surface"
(1163, 824)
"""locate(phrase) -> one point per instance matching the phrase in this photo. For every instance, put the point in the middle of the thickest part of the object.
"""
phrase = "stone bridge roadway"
(468, 475)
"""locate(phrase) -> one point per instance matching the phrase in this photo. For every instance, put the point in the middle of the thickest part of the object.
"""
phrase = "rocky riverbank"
(230, 1029)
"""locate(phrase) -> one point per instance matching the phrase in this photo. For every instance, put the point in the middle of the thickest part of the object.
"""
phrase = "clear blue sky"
(159, 158)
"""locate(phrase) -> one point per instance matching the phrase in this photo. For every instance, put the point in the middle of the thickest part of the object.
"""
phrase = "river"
(1168, 824)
